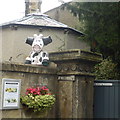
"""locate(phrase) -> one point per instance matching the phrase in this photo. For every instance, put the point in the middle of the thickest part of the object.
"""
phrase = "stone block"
(11, 114)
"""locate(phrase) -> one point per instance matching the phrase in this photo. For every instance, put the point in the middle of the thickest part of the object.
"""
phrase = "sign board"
(10, 93)
(67, 78)
(103, 84)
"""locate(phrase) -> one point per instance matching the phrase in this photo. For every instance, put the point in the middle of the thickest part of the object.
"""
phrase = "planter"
(37, 102)
(28, 113)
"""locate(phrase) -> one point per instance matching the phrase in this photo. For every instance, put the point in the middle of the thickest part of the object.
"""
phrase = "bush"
(106, 70)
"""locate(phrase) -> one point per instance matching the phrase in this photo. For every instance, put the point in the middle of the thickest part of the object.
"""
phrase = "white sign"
(67, 78)
(103, 84)
(11, 93)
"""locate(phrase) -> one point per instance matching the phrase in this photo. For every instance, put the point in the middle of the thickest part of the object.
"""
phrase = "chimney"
(32, 6)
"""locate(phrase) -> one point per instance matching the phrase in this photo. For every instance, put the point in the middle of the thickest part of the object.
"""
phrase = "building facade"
(64, 15)
(15, 33)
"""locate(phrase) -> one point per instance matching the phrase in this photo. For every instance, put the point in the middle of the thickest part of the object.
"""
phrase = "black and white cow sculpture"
(37, 55)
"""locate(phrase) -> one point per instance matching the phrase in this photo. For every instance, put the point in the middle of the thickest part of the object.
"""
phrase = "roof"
(38, 19)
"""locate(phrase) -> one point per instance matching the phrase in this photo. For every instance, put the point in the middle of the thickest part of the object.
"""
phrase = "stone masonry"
(71, 81)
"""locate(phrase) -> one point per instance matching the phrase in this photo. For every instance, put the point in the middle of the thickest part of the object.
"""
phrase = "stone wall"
(71, 81)
(30, 76)
(75, 82)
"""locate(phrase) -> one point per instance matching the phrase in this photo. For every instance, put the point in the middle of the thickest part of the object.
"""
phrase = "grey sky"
(15, 9)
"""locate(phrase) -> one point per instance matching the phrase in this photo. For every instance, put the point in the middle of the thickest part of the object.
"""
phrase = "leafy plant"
(38, 99)
(106, 70)
(99, 22)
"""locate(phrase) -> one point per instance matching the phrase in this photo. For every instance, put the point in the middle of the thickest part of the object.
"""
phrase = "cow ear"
(40, 35)
(47, 40)
(29, 40)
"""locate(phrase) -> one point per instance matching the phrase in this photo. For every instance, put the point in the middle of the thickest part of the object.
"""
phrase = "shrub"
(106, 70)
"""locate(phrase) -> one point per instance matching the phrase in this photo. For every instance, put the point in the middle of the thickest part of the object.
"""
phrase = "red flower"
(48, 94)
(26, 93)
(38, 91)
(44, 88)
(38, 88)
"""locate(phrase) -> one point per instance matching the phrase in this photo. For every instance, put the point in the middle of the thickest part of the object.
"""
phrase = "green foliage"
(106, 70)
(38, 102)
(101, 26)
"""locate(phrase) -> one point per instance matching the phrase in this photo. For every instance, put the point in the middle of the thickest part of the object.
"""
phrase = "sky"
(15, 9)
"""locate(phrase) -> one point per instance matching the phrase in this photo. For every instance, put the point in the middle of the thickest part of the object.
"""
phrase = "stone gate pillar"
(75, 78)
